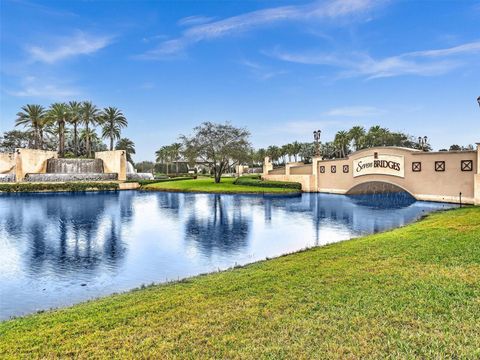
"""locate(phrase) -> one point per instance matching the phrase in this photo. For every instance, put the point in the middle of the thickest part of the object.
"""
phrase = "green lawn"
(413, 292)
(205, 184)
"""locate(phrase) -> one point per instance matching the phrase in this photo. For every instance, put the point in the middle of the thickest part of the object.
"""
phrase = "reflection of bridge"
(451, 176)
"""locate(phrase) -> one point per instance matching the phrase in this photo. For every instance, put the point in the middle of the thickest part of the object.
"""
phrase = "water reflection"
(221, 229)
(58, 249)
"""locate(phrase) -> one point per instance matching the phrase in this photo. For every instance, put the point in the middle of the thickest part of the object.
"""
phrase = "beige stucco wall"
(427, 184)
(31, 161)
(298, 169)
(114, 162)
(307, 181)
(7, 163)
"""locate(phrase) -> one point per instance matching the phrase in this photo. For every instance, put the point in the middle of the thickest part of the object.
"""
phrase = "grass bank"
(409, 293)
(208, 185)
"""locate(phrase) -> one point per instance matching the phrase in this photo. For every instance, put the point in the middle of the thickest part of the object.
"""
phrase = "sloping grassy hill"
(409, 293)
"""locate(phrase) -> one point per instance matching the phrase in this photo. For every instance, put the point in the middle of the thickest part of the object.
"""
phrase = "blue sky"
(280, 68)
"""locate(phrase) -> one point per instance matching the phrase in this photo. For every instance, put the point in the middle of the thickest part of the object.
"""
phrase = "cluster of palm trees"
(55, 120)
(281, 154)
(344, 143)
(169, 154)
(358, 138)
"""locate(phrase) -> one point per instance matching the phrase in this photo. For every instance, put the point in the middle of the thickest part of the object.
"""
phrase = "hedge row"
(249, 181)
(148, 182)
(66, 186)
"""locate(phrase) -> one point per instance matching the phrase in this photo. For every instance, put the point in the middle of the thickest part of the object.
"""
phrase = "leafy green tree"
(112, 120)
(127, 145)
(34, 118)
(221, 145)
(15, 139)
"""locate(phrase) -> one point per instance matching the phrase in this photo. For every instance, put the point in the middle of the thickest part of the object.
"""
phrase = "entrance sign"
(380, 164)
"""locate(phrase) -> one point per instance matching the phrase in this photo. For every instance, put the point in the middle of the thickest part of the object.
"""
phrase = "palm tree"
(75, 109)
(296, 148)
(112, 120)
(273, 152)
(58, 113)
(175, 154)
(357, 134)
(89, 117)
(341, 141)
(127, 145)
(33, 116)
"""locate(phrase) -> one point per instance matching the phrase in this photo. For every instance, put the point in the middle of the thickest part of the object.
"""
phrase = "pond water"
(57, 249)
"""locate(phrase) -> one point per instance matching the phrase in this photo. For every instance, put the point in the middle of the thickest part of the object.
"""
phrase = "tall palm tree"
(112, 121)
(58, 113)
(357, 134)
(75, 109)
(89, 118)
(341, 141)
(33, 116)
(175, 154)
(127, 145)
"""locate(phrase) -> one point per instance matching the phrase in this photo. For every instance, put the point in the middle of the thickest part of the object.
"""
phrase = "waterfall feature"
(73, 170)
(7, 178)
(75, 166)
(133, 175)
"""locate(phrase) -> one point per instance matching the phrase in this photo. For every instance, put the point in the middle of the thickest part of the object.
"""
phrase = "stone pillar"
(315, 161)
(114, 162)
(267, 166)
(32, 161)
(476, 195)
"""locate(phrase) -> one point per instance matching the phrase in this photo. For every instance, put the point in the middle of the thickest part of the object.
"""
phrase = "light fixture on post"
(478, 100)
(316, 137)
(422, 142)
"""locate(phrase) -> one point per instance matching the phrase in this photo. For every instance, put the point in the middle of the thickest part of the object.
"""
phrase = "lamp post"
(478, 100)
(422, 142)
(316, 137)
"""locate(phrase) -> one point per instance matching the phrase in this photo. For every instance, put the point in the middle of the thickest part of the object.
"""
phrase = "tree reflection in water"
(218, 231)
(61, 237)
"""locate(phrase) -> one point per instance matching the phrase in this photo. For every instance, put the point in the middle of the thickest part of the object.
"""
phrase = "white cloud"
(355, 111)
(41, 88)
(194, 20)
(423, 63)
(327, 10)
(260, 71)
(78, 44)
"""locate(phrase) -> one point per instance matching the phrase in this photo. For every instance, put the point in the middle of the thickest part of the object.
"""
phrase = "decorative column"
(477, 179)
(315, 161)
(267, 166)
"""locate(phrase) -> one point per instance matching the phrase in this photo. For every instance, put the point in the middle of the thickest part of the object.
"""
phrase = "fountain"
(72, 170)
(7, 178)
(133, 175)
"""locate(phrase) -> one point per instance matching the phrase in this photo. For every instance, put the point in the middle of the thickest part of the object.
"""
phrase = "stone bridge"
(452, 176)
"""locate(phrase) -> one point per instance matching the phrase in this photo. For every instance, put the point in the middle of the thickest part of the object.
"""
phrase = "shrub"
(67, 186)
(249, 181)
(148, 182)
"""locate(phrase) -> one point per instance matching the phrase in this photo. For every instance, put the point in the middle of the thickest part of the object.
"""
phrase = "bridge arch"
(377, 187)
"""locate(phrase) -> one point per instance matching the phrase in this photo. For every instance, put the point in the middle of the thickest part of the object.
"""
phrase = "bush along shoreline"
(52, 187)
(257, 181)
